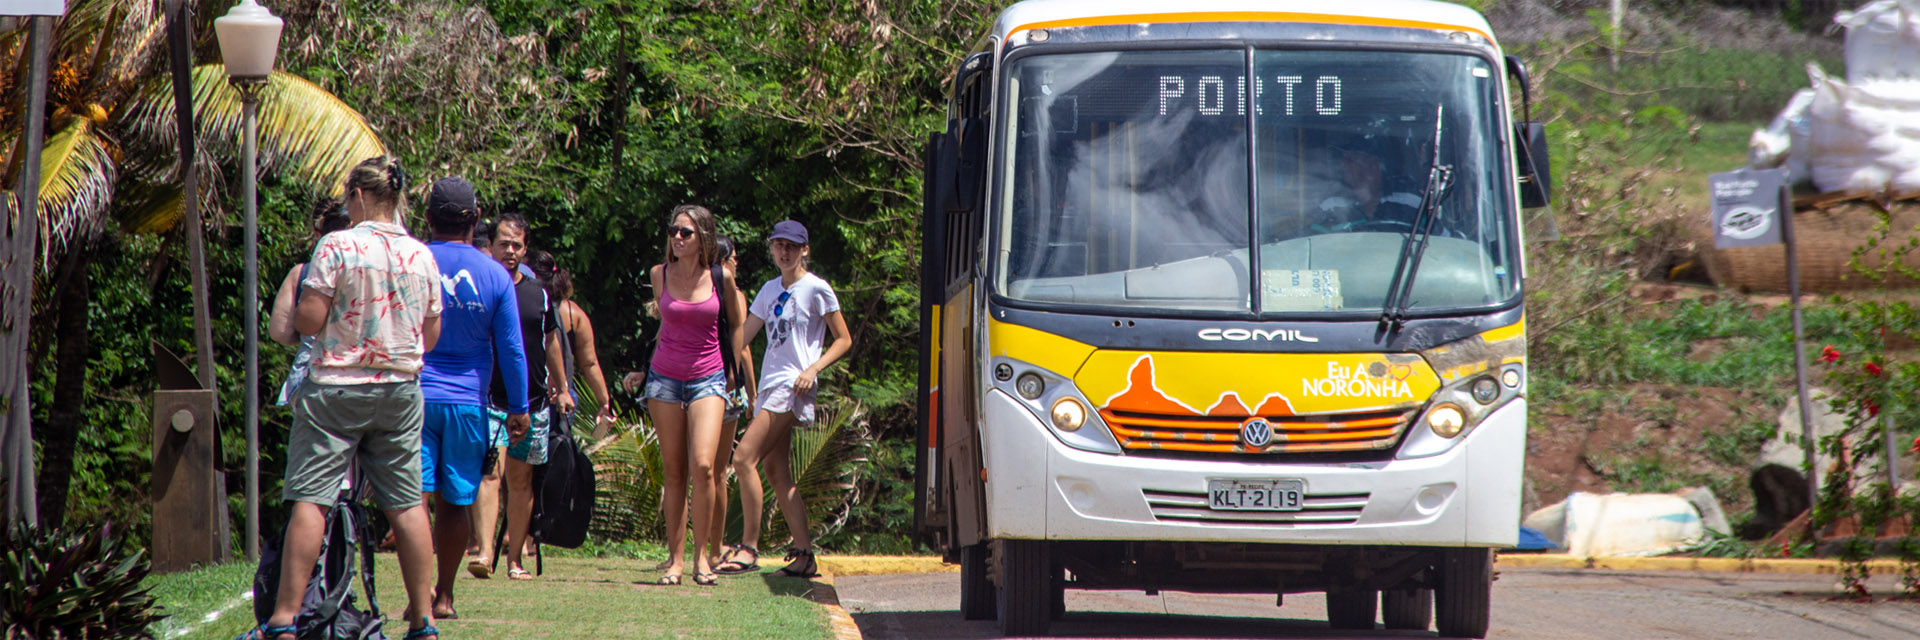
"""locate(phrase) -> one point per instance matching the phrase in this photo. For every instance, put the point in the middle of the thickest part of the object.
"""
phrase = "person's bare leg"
(450, 529)
(780, 473)
(722, 459)
(519, 510)
(703, 442)
(413, 540)
(670, 425)
(306, 528)
(752, 494)
(485, 513)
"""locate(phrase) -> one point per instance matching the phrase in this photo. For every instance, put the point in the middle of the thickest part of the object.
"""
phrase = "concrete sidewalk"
(846, 566)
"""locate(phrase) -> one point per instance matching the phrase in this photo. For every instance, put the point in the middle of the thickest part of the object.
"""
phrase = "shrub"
(74, 584)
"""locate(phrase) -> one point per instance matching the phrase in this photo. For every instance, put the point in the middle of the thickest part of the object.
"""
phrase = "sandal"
(264, 632)
(517, 573)
(795, 556)
(735, 567)
(422, 632)
(480, 568)
(706, 579)
(670, 579)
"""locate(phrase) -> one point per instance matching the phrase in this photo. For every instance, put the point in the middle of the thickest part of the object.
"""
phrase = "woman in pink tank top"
(686, 384)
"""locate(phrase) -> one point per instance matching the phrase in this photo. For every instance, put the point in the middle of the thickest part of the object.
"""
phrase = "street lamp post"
(248, 35)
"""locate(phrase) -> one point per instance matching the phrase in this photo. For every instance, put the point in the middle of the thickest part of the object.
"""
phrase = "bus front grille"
(1326, 509)
(1148, 432)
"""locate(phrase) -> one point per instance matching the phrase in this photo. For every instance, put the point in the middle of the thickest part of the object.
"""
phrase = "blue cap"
(790, 231)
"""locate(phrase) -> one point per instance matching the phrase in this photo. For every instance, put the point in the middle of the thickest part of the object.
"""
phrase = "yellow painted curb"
(838, 620)
(1729, 565)
(849, 566)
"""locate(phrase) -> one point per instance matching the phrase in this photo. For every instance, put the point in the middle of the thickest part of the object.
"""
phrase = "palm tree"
(108, 160)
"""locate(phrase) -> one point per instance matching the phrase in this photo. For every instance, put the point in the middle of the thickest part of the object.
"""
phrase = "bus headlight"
(1446, 420)
(1485, 390)
(1068, 414)
(1030, 386)
(1055, 404)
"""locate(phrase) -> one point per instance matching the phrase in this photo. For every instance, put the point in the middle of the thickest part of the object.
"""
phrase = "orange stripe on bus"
(1245, 16)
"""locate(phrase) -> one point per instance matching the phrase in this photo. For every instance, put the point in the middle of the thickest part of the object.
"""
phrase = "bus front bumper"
(1038, 489)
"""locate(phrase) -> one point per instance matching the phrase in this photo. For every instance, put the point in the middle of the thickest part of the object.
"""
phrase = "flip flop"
(517, 573)
(802, 558)
(736, 567)
(422, 632)
(480, 569)
(669, 579)
(706, 579)
(264, 632)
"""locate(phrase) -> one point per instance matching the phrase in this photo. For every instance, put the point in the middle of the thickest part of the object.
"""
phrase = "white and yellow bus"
(1226, 296)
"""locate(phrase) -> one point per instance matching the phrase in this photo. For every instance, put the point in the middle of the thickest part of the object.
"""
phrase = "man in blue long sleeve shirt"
(481, 323)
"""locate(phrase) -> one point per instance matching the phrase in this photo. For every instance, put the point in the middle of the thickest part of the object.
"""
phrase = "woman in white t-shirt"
(796, 309)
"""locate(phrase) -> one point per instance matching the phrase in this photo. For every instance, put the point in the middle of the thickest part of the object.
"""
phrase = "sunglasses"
(681, 232)
(780, 304)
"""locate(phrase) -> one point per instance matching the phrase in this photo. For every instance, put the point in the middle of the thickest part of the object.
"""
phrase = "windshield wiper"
(1400, 288)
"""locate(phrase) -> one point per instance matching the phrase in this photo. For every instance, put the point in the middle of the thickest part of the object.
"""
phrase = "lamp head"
(249, 36)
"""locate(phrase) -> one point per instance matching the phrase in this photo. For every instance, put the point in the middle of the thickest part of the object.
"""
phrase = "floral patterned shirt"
(384, 284)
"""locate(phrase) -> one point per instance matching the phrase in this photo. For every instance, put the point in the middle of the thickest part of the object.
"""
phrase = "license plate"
(1255, 495)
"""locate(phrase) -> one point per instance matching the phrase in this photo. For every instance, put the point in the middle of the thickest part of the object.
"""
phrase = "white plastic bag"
(1619, 524)
(1862, 138)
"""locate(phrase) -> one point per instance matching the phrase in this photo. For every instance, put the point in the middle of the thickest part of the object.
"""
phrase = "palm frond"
(306, 132)
(629, 482)
(76, 182)
(824, 457)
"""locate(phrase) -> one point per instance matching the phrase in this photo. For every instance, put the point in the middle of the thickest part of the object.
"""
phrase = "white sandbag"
(1861, 137)
(1883, 40)
(1619, 524)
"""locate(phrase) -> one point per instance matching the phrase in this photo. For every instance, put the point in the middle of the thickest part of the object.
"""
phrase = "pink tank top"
(689, 346)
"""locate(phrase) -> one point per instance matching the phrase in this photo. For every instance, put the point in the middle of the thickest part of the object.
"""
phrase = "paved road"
(1529, 603)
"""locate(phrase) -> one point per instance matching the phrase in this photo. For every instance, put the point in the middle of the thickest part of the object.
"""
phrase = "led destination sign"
(1207, 94)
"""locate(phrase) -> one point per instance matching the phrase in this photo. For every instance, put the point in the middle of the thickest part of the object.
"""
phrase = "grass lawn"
(577, 598)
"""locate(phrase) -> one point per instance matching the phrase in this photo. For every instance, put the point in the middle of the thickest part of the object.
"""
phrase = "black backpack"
(564, 493)
(328, 611)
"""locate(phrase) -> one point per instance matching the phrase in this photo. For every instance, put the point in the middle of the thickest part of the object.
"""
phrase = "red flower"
(1916, 446)
(1873, 368)
(1830, 354)
(1873, 408)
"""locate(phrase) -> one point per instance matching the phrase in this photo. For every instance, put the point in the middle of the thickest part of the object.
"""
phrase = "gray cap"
(790, 231)
(452, 194)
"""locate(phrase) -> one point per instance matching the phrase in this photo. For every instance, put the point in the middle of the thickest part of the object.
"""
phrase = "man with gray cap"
(481, 323)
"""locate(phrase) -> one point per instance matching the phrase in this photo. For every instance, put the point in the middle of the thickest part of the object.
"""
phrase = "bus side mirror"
(1536, 172)
(941, 156)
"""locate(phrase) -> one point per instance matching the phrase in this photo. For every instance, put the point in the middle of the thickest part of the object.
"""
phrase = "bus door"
(949, 501)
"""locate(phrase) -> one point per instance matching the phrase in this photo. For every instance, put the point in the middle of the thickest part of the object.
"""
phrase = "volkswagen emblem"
(1256, 433)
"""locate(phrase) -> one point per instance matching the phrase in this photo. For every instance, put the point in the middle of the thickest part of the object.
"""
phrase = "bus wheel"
(1465, 598)
(976, 591)
(1351, 608)
(1026, 590)
(1407, 608)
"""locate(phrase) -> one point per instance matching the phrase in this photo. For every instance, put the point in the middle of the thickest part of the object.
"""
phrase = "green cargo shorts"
(376, 426)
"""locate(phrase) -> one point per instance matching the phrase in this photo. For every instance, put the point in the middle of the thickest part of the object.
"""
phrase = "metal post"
(250, 106)
(1800, 354)
(15, 313)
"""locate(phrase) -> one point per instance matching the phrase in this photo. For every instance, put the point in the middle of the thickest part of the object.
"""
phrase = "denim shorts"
(684, 392)
(531, 449)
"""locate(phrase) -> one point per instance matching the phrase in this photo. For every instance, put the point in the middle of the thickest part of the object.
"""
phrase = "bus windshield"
(1170, 180)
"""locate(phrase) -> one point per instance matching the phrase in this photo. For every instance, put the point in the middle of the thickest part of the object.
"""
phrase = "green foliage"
(1726, 545)
(74, 583)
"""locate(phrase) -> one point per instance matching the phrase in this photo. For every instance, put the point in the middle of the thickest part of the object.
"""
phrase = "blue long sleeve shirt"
(480, 323)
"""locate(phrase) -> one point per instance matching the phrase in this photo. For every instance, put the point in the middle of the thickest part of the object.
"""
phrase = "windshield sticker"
(1300, 290)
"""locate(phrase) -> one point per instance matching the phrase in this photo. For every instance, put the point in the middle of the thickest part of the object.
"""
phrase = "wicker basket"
(1826, 232)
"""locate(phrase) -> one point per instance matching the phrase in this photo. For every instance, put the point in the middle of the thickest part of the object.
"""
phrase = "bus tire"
(1026, 590)
(1407, 608)
(1463, 604)
(976, 591)
(1351, 608)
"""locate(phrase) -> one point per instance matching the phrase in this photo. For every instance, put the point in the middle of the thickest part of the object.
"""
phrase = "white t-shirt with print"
(795, 335)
